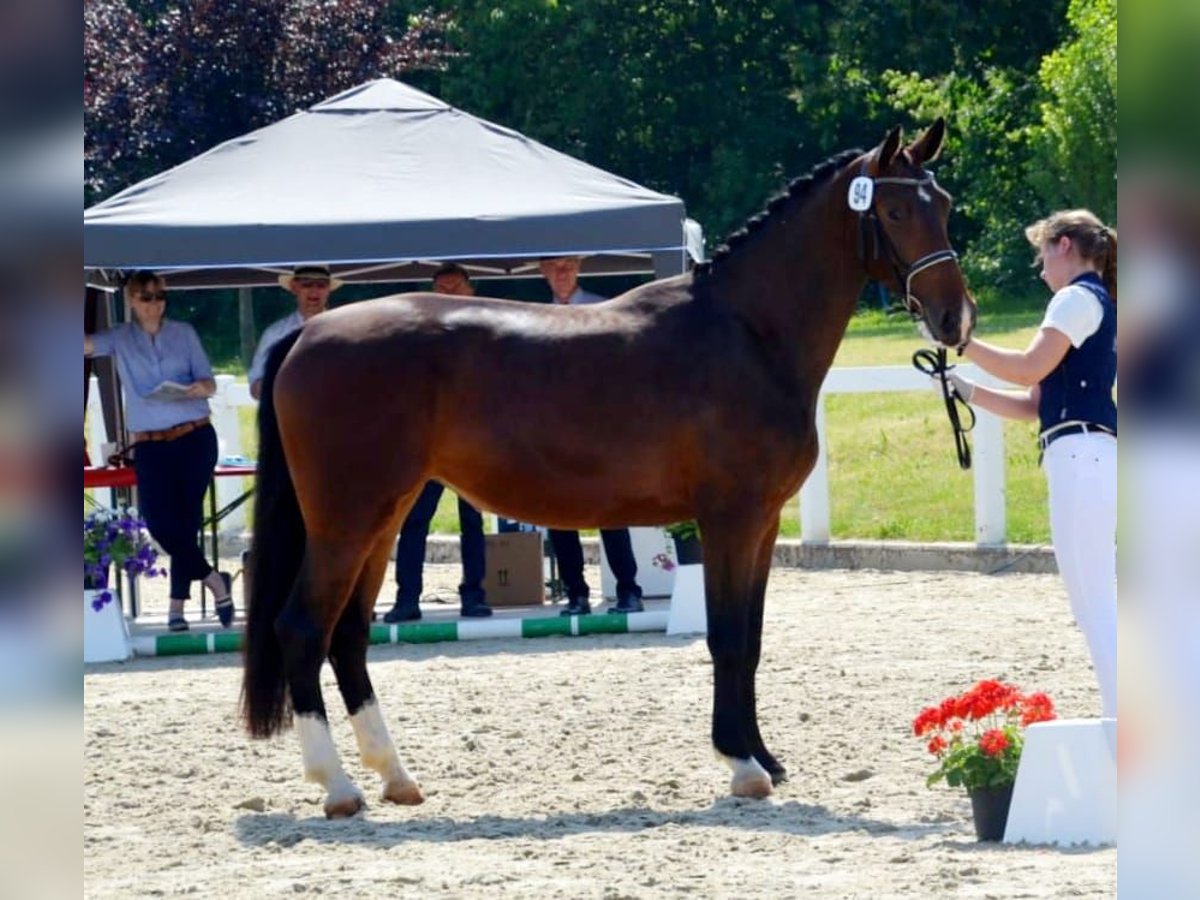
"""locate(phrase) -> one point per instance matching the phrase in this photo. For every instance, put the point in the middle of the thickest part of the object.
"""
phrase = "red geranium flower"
(1036, 708)
(993, 742)
(976, 736)
(927, 720)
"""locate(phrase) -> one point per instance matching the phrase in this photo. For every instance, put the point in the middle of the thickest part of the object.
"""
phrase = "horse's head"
(902, 218)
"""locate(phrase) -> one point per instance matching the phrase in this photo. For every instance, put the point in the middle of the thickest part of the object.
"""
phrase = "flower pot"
(989, 807)
(105, 638)
(688, 551)
(97, 582)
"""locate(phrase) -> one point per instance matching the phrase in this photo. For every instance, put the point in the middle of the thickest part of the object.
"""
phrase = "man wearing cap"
(410, 548)
(311, 285)
(562, 274)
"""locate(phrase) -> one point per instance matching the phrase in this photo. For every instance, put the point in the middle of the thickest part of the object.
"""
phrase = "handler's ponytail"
(1109, 270)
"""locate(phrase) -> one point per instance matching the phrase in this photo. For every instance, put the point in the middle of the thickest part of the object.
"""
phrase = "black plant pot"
(688, 551)
(989, 807)
(96, 583)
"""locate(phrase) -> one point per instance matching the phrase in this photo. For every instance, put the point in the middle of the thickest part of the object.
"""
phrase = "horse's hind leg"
(348, 654)
(758, 596)
(304, 628)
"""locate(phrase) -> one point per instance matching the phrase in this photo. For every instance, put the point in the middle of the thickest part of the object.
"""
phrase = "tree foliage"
(716, 102)
(1029, 134)
(163, 82)
(689, 98)
(1075, 141)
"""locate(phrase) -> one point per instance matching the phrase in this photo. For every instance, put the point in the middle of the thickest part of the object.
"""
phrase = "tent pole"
(246, 324)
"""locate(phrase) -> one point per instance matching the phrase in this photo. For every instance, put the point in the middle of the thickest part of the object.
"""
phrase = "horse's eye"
(895, 213)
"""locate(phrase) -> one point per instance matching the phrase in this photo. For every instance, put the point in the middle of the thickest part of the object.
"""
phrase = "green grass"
(892, 470)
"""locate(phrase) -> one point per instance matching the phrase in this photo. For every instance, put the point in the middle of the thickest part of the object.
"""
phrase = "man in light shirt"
(311, 285)
(562, 274)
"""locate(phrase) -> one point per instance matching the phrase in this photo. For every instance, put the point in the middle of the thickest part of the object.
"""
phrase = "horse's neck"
(796, 286)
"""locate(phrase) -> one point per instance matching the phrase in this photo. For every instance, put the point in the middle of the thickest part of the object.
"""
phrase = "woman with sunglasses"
(176, 445)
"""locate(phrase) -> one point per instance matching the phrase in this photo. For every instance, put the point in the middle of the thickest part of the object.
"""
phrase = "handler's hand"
(964, 387)
(197, 390)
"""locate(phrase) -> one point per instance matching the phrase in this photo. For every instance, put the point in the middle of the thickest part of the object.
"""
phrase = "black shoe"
(628, 605)
(224, 605)
(577, 607)
(476, 611)
(402, 613)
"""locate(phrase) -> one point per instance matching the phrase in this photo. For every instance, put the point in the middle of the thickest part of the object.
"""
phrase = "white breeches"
(1081, 472)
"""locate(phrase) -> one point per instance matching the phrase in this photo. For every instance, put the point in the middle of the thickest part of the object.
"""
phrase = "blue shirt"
(144, 362)
(581, 297)
(272, 335)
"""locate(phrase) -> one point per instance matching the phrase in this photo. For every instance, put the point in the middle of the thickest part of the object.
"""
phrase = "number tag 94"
(862, 191)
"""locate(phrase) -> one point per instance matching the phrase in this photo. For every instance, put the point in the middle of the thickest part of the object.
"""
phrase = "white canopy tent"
(383, 182)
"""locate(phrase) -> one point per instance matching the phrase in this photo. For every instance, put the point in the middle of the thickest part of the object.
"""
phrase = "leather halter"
(869, 225)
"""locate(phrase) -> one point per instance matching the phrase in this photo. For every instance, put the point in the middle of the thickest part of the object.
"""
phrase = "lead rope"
(933, 363)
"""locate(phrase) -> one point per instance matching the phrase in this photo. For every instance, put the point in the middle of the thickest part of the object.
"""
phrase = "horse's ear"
(889, 148)
(926, 148)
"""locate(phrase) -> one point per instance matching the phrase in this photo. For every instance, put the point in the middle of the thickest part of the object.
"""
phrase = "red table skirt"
(125, 476)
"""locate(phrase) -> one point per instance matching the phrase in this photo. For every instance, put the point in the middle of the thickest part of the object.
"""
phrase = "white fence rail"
(987, 446)
(987, 450)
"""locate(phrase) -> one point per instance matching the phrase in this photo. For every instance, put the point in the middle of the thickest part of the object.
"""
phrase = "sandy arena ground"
(581, 767)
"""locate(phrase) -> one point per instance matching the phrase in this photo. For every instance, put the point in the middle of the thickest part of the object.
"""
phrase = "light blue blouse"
(144, 362)
(582, 297)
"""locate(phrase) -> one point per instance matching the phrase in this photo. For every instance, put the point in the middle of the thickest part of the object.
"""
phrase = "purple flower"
(116, 539)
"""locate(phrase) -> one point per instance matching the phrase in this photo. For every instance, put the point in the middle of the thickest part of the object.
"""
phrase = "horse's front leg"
(762, 573)
(348, 654)
(730, 554)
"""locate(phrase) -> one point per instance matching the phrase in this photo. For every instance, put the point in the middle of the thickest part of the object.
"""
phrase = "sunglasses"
(152, 297)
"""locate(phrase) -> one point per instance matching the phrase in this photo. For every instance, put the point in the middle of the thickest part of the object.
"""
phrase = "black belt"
(1050, 435)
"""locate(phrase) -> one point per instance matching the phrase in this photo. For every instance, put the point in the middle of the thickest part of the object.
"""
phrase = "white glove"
(964, 387)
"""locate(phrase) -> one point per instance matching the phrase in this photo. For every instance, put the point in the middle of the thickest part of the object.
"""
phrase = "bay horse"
(691, 397)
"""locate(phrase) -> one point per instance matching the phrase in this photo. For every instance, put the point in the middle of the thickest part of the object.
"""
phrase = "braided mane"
(794, 193)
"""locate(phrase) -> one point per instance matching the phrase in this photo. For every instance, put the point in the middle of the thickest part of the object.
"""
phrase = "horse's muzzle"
(954, 326)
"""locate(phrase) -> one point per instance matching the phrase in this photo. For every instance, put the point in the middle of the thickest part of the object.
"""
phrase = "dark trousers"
(172, 478)
(410, 548)
(618, 547)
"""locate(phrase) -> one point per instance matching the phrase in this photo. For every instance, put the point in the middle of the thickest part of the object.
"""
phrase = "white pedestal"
(688, 615)
(105, 637)
(653, 580)
(1066, 788)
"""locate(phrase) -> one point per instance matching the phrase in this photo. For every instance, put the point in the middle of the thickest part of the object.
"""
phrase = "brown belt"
(169, 434)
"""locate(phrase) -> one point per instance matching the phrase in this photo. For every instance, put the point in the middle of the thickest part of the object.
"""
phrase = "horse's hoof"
(773, 766)
(405, 793)
(750, 779)
(344, 808)
(756, 786)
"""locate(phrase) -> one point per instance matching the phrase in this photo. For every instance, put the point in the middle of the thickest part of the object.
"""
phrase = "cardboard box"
(514, 569)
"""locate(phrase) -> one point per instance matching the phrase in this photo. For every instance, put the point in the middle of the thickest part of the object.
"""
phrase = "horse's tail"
(276, 553)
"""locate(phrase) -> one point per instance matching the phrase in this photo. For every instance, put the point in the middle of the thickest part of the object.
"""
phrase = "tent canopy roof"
(383, 182)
